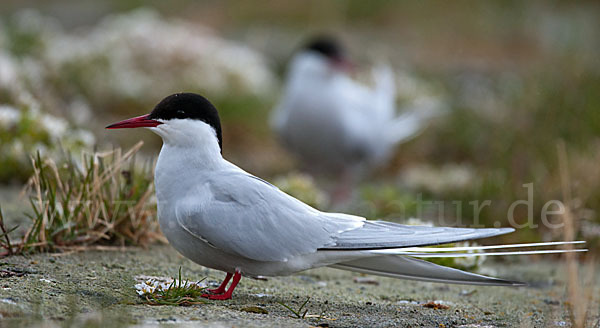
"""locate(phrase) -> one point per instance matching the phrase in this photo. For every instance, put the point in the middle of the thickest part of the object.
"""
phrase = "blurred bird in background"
(336, 126)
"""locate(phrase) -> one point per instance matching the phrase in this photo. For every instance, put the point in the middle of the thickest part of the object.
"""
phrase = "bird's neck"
(188, 145)
(182, 160)
(311, 67)
(190, 151)
(182, 168)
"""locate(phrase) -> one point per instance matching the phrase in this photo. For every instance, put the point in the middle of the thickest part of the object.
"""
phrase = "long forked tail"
(391, 249)
(414, 269)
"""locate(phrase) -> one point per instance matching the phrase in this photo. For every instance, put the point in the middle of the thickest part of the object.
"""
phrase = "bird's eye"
(180, 112)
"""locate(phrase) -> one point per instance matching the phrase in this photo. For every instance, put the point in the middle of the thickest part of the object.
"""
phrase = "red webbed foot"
(220, 297)
(220, 293)
(221, 288)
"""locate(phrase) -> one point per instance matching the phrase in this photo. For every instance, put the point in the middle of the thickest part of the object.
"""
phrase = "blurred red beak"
(136, 122)
(344, 65)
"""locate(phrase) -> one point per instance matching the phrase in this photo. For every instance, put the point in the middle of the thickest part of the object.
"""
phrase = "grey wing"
(382, 234)
(245, 216)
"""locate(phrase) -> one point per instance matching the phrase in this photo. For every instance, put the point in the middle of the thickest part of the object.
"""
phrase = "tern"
(337, 126)
(221, 217)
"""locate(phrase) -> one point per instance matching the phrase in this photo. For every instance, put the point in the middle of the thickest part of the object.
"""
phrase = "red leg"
(227, 295)
(221, 288)
(343, 190)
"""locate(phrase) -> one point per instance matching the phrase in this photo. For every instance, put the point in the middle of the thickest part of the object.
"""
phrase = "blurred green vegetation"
(16, 167)
(32, 130)
(519, 145)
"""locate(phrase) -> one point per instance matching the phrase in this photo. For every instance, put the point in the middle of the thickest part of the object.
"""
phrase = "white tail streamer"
(475, 248)
(425, 255)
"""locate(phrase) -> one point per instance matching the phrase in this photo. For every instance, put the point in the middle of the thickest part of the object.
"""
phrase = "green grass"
(178, 293)
(297, 313)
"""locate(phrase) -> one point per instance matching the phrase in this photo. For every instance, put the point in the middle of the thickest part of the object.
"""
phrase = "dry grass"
(5, 238)
(580, 297)
(104, 199)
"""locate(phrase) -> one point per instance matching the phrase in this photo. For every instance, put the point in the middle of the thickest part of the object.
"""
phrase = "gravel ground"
(97, 288)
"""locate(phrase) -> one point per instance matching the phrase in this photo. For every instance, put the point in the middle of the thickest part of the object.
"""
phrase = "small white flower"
(85, 137)
(418, 222)
(55, 126)
(9, 116)
(446, 178)
(41, 148)
(8, 71)
(149, 285)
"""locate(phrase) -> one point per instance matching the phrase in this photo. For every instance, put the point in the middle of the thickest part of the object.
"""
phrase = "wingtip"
(509, 283)
(493, 281)
(518, 283)
(402, 267)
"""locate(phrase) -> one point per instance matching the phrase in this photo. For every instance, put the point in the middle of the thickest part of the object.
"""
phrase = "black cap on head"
(326, 46)
(188, 106)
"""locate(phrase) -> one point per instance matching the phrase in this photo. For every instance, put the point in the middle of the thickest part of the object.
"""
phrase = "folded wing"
(383, 234)
(246, 216)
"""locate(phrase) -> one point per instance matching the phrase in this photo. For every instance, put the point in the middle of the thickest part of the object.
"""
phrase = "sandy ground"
(97, 288)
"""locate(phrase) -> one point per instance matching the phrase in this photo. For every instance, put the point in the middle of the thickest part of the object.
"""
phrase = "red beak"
(344, 65)
(136, 122)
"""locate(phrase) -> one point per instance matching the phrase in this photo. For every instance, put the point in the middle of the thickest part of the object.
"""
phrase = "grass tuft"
(297, 314)
(178, 293)
(103, 199)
